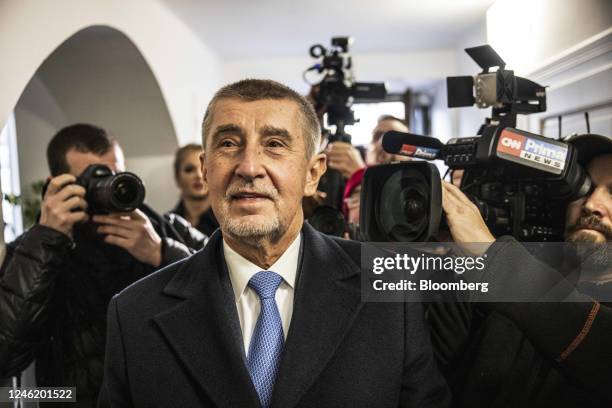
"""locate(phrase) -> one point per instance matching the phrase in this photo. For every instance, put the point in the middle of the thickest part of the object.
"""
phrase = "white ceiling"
(236, 29)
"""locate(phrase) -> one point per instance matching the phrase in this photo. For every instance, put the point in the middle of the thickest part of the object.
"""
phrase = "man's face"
(79, 161)
(256, 168)
(376, 154)
(590, 218)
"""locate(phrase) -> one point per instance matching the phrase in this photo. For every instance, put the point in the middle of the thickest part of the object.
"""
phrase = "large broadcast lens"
(402, 211)
(400, 202)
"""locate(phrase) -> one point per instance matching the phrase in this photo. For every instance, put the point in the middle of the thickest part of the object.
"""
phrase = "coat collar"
(203, 330)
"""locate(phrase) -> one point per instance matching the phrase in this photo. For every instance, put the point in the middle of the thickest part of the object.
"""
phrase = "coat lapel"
(327, 300)
(203, 330)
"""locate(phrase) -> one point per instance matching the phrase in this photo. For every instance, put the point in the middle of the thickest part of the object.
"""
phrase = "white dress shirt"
(247, 301)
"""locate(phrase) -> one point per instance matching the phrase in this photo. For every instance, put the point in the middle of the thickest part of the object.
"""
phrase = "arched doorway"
(98, 76)
(95, 76)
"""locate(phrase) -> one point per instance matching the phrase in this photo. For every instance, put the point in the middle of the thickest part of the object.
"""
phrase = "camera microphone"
(411, 145)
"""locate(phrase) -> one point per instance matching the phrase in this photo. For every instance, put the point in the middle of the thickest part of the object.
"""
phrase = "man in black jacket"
(58, 277)
(270, 312)
(534, 354)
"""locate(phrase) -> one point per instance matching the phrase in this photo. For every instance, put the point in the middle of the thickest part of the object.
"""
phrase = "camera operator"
(533, 354)
(376, 154)
(347, 159)
(344, 158)
(58, 277)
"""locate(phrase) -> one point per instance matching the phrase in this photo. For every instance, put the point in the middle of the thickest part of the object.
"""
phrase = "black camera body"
(338, 90)
(507, 94)
(400, 202)
(521, 182)
(109, 192)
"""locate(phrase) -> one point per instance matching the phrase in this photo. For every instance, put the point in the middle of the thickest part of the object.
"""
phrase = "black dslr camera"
(521, 182)
(109, 192)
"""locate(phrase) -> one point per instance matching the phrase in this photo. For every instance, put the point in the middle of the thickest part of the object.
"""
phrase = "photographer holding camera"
(58, 277)
(534, 354)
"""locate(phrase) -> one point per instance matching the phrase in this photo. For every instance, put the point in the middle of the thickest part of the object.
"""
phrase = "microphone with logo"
(524, 154)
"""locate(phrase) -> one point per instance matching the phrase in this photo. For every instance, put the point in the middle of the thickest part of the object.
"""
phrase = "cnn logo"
(511, 143)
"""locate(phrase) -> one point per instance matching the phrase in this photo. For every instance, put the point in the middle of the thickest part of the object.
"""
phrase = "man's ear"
(317, 166)
(204, 173)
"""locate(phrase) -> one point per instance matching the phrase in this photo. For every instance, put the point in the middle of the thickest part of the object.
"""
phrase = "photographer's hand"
(63, 204)
(343, 157)
(464, 220)
(133, 232)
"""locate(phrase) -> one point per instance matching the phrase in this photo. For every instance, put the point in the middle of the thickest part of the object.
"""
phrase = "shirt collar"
(241, 270)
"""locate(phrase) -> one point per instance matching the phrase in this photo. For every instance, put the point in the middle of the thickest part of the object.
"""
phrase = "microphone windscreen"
(411, 145)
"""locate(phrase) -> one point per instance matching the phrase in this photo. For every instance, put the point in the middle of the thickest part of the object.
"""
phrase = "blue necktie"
(267, 340)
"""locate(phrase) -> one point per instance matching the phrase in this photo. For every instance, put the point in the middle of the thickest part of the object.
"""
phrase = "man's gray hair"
(259, 89)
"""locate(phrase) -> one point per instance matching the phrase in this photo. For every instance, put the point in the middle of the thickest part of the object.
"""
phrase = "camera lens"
(108, 192)
(125, 191)
(402, 214)
(414, 206)
(401, 202)
(328, 220)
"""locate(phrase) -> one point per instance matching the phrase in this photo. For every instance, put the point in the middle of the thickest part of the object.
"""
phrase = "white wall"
(469, 119)
(565, 45)
(186, 70)
(443, 120)
(530, 33)
(158, 177)
(37, 117)
(578, 80)
(398, 69)
(458, 122)
(558, 43)
(187, 76)
(97, 76)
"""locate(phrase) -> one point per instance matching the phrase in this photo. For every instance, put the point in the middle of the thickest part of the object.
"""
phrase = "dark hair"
(259, 89)
(180, 155)
(80, 137)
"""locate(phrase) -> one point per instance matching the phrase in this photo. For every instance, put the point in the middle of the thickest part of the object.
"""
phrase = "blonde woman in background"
(193, 205)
